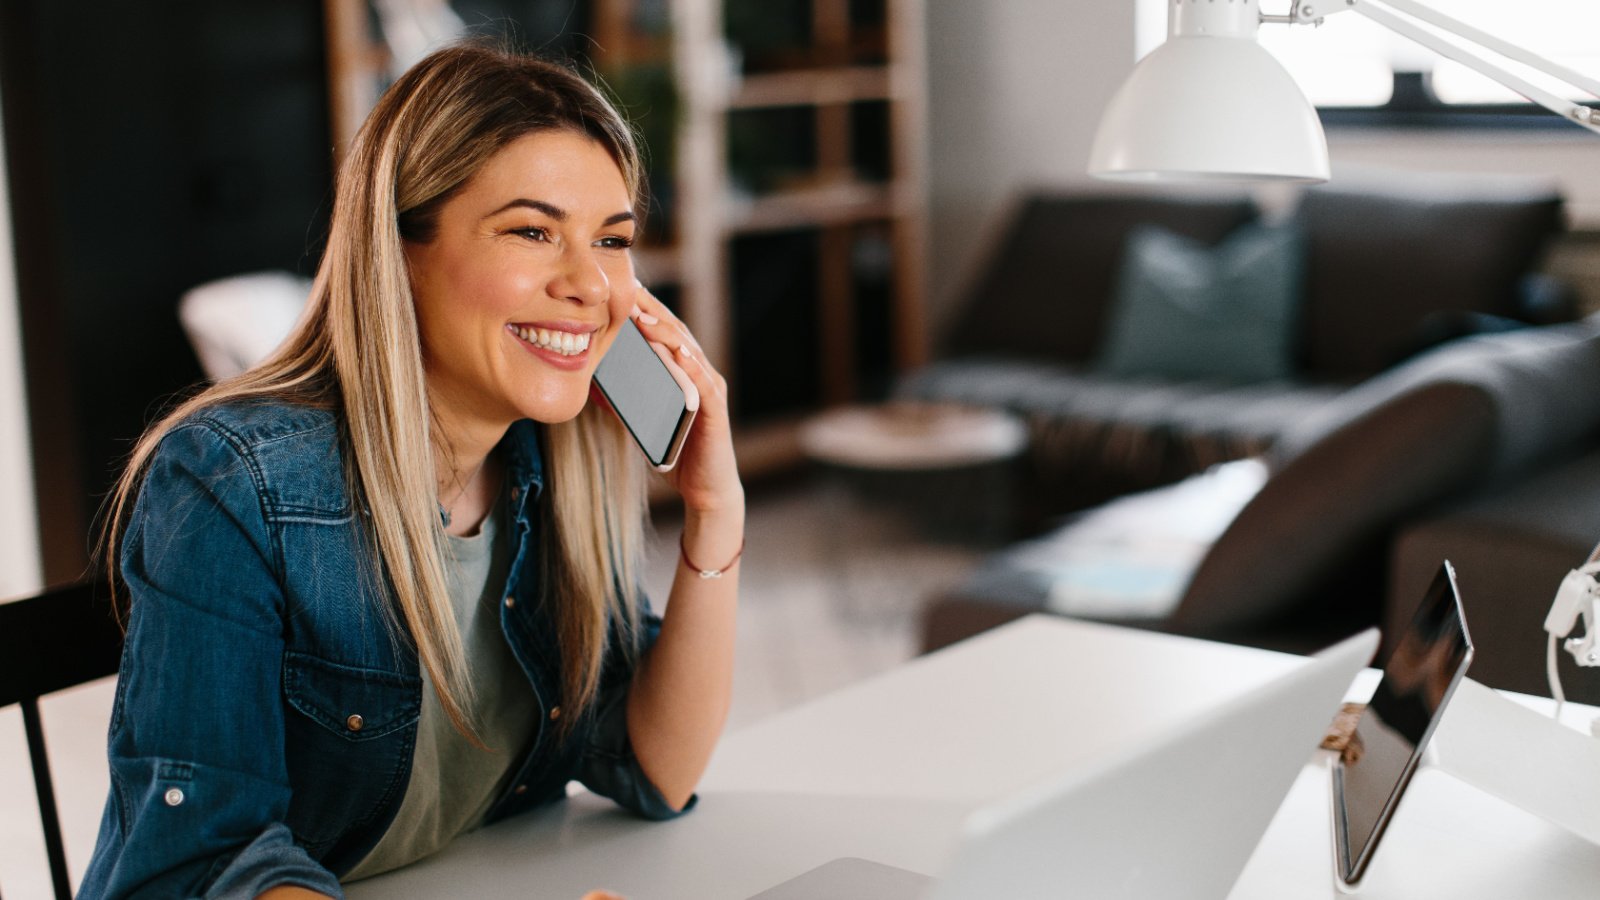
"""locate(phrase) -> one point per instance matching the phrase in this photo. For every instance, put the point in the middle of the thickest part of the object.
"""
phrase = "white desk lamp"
(1212, 104)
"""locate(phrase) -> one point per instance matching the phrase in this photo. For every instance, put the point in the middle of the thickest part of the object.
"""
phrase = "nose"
(580, 277)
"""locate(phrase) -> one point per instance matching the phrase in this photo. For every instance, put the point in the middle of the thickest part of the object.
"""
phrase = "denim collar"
(524, 466)
(524, 459)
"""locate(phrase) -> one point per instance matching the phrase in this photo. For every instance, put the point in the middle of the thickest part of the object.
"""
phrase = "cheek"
(620, 308)
(477, 287)
(515, 285)
(493, 291)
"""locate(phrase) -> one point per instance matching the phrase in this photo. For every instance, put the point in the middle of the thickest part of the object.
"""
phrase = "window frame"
(1412, 104)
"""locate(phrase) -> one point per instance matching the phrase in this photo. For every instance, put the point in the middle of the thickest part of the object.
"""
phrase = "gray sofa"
(1390, 269)
(1474, 450)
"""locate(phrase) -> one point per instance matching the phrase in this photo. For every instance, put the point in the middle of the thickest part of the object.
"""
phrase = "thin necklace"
(450, 508)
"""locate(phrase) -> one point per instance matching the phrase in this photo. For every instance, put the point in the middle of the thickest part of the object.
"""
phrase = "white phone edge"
(691, 406)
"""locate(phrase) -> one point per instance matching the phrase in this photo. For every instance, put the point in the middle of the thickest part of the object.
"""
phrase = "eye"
(532, 233)
(615, 242)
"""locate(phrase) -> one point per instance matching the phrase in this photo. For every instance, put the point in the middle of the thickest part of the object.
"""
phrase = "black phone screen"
(644, 394)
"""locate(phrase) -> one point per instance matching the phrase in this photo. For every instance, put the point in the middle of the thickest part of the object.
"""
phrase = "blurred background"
(831, 181)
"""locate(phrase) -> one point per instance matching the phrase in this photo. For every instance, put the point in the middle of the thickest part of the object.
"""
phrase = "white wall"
(19, 529)
(1016, 88)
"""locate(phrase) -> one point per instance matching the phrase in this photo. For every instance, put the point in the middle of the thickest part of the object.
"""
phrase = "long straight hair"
(357, 351)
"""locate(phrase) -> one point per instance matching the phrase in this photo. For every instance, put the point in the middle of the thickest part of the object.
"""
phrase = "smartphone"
(655, 403)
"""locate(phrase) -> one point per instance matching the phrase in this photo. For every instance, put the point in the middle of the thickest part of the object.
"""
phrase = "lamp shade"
(1210, 108)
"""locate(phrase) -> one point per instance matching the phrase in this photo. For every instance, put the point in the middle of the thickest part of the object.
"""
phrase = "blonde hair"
(357, 351)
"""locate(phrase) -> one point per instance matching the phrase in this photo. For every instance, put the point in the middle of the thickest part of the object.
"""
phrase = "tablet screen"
(1427, 663)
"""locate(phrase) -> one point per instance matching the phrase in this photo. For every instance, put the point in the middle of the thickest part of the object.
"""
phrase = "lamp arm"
(1496, 44)
(1381, 14)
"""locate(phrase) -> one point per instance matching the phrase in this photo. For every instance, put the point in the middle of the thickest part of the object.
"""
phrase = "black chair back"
(63, 637)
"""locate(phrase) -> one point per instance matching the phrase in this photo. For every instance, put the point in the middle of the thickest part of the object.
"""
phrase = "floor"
(830, 590)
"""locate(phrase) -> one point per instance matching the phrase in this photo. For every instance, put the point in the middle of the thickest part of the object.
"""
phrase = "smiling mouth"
(565, 343)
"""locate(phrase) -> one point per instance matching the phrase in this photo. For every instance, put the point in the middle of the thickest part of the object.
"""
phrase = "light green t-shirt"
(453, 783)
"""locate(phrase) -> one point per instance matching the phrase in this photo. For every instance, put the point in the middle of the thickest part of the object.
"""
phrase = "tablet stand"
(1520, 756)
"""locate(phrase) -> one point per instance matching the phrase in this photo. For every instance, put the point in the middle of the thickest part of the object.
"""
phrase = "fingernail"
(647, 318)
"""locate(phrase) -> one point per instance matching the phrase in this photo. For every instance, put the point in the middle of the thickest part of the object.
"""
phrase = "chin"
(554, 410)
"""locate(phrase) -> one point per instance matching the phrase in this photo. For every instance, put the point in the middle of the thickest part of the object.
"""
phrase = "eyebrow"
(559, 214)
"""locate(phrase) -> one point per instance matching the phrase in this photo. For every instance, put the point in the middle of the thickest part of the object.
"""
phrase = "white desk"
(887, 768)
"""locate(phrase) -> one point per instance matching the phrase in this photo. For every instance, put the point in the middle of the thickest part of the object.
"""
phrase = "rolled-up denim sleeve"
(609, 767)
(199, 785)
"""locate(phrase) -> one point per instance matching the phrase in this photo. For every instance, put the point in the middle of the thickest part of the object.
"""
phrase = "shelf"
(812, 87)
(841, 203)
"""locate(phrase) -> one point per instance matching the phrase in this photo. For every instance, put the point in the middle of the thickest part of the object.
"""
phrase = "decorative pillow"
(1187, 311)
(1069, 245)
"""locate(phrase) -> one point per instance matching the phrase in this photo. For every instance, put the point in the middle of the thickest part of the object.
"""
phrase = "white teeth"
(565, 343)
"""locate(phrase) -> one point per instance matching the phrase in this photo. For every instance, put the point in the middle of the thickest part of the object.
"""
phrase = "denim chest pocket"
(354, 703)
(349, 734)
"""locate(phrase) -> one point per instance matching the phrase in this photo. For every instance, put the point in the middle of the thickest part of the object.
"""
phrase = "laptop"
(1179, 817)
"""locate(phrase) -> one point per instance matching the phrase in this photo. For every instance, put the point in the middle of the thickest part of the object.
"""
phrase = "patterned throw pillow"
(1187, 311)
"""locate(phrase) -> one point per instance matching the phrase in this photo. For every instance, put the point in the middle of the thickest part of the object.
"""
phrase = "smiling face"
(525, 281)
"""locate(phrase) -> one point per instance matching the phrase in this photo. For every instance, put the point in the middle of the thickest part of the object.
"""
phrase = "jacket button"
(521, 789)
(173, 796)
(555, 713)
(515, 493)
(354, 723)
(510, 602)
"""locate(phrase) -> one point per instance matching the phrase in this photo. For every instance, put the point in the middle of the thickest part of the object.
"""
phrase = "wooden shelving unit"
(838, 203)
(849, 55)
(355, 61)
(812, 87)
(830, 203)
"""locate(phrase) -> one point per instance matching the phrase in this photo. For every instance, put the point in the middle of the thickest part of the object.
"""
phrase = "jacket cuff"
(610, 769)
(272, 859)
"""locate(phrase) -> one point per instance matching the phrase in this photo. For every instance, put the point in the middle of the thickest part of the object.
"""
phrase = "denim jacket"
(265, 713)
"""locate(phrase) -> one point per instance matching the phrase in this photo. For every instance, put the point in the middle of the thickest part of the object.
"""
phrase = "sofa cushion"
(1511, 547)
(1544, 385)
(1349, 473)
(1127, 560)
(1332, 504)
(1043, 292)
(1094, 437)
(1383, 257)
(1185, 310)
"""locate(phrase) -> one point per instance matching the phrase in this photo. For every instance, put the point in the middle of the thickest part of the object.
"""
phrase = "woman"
(382, 588)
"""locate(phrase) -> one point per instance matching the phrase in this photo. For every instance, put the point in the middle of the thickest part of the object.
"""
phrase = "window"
(1353, 63)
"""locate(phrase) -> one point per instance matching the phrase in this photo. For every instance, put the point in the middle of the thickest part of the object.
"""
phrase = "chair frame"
(63, 637)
